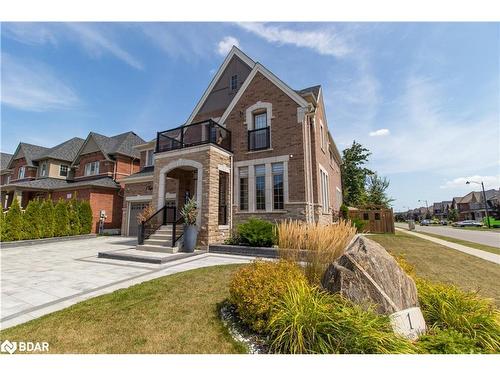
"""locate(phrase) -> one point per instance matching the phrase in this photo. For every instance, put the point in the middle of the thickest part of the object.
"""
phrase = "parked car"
(443, 222)
(425, 222)
(468, 223)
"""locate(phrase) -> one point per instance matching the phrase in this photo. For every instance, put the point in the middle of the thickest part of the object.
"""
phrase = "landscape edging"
(40, 241)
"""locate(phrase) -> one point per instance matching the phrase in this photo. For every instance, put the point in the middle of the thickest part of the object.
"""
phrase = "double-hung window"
(43, 169)
(234, 82)
(92, 168)
(63, 170)
(259, 136)
(260, 187)
(21, 172)
(149, 158)
(243, 176)
(278, 195)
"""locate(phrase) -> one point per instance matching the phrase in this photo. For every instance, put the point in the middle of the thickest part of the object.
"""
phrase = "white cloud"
(34, 87)
(96, 43)
(225, 45)
(490, 182)
(94, 38)
(379, 133)
(324, 41)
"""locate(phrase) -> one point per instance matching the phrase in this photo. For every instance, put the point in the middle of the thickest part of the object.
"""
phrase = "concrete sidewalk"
(495, 258)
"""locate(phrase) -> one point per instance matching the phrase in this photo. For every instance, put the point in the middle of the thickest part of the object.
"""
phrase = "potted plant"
(189, 212)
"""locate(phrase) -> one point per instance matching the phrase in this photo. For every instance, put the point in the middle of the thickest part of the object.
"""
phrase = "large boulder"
(367, 274)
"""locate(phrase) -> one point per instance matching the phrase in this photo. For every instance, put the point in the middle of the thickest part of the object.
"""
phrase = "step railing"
(164, 216)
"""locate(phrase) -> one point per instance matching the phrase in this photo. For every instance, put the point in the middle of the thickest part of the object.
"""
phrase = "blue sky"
(423, 97)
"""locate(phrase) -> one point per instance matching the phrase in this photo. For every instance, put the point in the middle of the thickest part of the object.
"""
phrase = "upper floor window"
(43, 170)
(259, 136)
(149, 158)
(92, 168)
(21, 172)
(234, 82)
(7, 181)
(322, 135)
(63, 170)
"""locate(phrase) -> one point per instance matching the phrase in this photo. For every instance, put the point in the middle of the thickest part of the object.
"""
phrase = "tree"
(47, 213)
(2, 226)
(452, 214)
(85, 215)
(32, 220)
(61, 214)
(375, 191)
(73, 218)
(354, 174)
(14, 222)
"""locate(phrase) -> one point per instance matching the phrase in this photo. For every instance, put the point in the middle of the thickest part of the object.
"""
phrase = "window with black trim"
(63, 170)
(259, 136)
(243, 176)
(260, 187)
(278, 192)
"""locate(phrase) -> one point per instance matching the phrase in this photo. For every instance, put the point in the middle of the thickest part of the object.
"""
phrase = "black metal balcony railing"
(259, 139)
(196, 134)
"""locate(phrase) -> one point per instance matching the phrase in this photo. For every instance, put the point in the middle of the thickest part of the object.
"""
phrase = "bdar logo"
(8, 347)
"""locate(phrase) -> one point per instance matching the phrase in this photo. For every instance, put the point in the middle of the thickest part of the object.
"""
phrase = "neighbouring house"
(4, 174)
(471, 206)
(252, 147)
(440, 209)
(90, 169)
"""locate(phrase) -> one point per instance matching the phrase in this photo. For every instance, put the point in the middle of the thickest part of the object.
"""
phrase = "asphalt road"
(481, 237)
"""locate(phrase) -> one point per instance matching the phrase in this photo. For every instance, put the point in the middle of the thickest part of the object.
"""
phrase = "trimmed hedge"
(42, 219)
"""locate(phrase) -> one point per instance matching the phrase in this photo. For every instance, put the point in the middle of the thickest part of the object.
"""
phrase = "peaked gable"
(218, 94)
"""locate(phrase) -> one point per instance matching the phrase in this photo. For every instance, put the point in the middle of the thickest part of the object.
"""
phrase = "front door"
(135, 209)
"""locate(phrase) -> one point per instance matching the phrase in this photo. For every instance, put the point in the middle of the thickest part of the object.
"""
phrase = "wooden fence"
(376, 220)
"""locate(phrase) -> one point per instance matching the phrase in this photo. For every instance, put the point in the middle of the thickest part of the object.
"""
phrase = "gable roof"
(258, 68)
(314, 90)
(30, 153)
(235, 51)
(4, 160)
(64, 151)
(123, 144)
(51, 183)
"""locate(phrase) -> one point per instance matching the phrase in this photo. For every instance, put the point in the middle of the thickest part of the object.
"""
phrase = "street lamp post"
(484, 198)
(426, 205)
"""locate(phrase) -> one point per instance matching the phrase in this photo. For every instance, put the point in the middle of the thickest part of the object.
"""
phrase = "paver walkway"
(37, 280)
(495, 258)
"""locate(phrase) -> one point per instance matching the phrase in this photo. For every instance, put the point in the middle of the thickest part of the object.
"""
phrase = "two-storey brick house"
(90, 169)
(252, 146)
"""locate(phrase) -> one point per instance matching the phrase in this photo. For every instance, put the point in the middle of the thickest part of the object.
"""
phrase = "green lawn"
(172, 314)
(442, 264)
(475, 245)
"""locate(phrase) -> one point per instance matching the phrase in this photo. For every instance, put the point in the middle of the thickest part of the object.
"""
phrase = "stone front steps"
(161, 240)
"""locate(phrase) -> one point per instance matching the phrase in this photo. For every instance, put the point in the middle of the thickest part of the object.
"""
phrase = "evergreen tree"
(452, 214)
(73, 216)
(2, 226)
(61, 215)
(85, 215)
(14, 222)
(354, 174)
(375, 191)
(32, 220)
(47, 213)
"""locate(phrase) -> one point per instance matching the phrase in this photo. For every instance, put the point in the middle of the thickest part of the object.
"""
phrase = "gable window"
(243, 173)
(63, 170)
(278, 193)
(322, 135)
(260, 187)
(149, 158)
(21, 172)
(92, 168)
(43, 169)
(234, 82)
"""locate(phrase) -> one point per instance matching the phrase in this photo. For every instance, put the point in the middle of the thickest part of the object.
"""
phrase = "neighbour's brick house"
(87, 169)
(252, 146)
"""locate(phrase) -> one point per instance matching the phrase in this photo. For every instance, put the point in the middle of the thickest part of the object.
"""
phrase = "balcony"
(200, 133)
(259, 139)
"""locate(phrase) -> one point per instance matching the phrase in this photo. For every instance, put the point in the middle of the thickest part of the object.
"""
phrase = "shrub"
(2, 226)
(85, 216)
(359, 224)
(73, 218)
(256, 232)
(14, 222)
(255, 288)
(446, 307)
(308, 320)
(344, 212)
(47, 213)
(323, 244)
(190, 212)
(32, 220)
(61, 215)
(447, 341)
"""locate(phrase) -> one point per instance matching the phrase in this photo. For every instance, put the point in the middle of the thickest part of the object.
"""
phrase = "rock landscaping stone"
(367, 274)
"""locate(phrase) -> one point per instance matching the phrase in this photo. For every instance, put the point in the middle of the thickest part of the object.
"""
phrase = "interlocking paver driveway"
(39, 279)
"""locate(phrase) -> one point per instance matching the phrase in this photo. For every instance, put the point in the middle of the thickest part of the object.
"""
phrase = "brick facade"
(106, 167)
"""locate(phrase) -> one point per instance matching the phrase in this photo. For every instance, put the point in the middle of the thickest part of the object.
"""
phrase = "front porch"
(194, 161)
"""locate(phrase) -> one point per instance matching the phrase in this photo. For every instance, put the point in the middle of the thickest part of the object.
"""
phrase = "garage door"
(135, 209)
